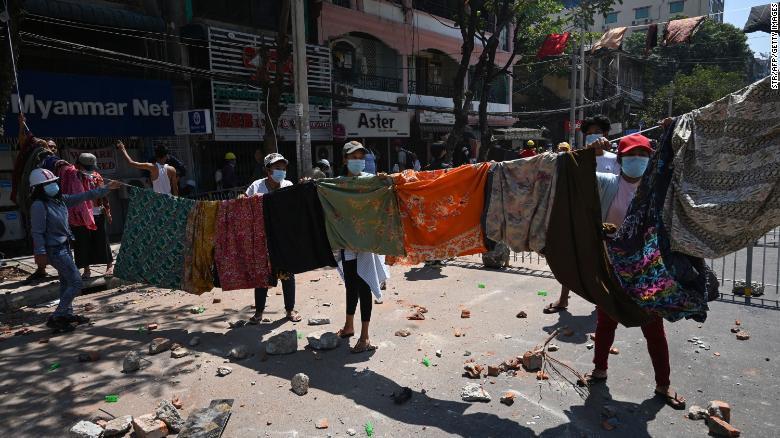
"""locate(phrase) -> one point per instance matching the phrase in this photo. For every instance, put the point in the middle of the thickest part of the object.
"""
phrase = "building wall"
(659, 11)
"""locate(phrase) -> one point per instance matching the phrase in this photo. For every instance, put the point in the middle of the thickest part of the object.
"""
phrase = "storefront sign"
(239, 110)
(192, 122)
(434, 118)
(371, 123)
(106, 158)
(59, 105)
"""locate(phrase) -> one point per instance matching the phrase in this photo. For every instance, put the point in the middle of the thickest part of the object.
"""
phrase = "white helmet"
(41, 176)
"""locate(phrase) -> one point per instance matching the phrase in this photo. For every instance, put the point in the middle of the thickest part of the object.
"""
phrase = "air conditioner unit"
(5, 193)
(11, 227)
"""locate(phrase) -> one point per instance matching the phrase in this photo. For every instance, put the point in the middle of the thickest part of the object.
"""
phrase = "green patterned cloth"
(154, 240)
(361, 214)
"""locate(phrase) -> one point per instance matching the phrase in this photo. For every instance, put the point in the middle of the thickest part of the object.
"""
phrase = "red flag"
(553, 45)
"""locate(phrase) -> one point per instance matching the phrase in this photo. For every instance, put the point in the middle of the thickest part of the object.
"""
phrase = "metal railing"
(219, 195)
(369, 82)
(430, 89)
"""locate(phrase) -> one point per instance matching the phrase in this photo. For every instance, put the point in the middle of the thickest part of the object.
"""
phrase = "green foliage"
(705, 84)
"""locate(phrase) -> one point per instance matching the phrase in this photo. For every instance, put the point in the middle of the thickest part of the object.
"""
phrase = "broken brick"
(720, 409)
(465, 313)
(737, 322)
(176, 402)
(473, 371)
(459, 333)
(718, 427)
(147, 426)
(216, 301)
(614, 350)
(416, 316)
(89, 356)
(735, 330)
(743, 335)
(532, 360)
(493, 371)
(508, 398)
(522, 314)
(322, 423)
(541, 375)
(152, 326)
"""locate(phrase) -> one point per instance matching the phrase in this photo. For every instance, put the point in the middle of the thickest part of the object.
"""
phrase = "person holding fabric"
(276, 171)
(91, 247)
(324, 166)
(563, 147)
(439, 154)
(616, 193)
(595, 130)
(51, 239)
(528, 150)
(163, 176)
(363, 272)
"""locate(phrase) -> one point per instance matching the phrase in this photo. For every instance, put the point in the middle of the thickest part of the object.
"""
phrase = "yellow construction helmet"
(230, 156)
(530, 143)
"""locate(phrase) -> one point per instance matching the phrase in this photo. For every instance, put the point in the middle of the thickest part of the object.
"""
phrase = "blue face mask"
(590, 138)
(634, 167)
(51, 190)
(278, 175)
(355, 167)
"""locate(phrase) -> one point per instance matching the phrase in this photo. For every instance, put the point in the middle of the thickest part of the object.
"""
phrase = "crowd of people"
(69, 212)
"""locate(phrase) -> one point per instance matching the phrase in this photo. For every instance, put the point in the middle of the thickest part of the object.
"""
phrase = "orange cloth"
(441, 212)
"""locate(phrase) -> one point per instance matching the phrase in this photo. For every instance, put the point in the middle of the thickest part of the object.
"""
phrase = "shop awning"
(517, 134)
(102, 15)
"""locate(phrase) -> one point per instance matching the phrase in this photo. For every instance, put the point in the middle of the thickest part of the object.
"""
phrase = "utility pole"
(581, 96)
(572, 99)
(301, 85)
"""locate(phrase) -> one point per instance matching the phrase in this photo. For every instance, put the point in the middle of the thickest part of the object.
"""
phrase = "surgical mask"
(634, 167)
(590, 138)
(278, 175)
(51, 190)
(355, 167)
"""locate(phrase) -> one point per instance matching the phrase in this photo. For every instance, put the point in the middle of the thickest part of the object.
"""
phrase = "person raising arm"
(169, 184)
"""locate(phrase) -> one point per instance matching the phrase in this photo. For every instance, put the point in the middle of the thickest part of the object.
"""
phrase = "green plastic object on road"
(113, 398)
(54, 366)
(369, 429)
(481, 285)
(300, 335)
(542, 293)
(426, 362)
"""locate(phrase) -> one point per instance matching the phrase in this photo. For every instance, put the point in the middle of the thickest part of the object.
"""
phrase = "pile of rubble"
(717, 417)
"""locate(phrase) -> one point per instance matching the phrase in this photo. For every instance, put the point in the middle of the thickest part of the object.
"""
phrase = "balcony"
(369, 82)
(430, 89)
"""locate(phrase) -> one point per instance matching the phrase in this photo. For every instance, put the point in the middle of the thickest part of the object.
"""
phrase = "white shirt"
(607, 163)
(625, 194)
(163, 183)
(259, 187)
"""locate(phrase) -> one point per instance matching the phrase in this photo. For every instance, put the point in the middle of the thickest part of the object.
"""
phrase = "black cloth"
(295, 229)
(229, 177)
(91, 246)
(575, 249)
(439, 164)
(357, 290)
(759, 20)
(288, 290)
(652, 38)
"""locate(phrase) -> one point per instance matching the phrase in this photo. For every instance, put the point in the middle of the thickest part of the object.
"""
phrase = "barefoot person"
(276, 172)
(363, 273)
(51, 239)
(616, 193)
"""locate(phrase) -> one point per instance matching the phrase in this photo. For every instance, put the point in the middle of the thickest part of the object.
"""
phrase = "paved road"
(351, 390)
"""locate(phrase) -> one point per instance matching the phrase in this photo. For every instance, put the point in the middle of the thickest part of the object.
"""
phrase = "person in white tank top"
(163, 176)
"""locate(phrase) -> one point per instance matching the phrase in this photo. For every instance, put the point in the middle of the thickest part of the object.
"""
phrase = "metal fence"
(219, 195)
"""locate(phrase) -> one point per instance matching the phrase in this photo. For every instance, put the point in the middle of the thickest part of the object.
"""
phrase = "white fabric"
(607, 163)
(619, 207)
(259, 187)
(371, 268)
(349, 255)
(163, 183)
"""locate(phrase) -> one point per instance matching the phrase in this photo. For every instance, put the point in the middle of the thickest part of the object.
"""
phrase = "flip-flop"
(362, 347)
(675, 402)
(343, 335)
(590, 379)
(551, 308)
(294, 316)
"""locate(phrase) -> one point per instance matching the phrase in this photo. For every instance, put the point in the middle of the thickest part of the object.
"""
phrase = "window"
(640, 13)
(342, 3)
(610, 18)
(676, 7)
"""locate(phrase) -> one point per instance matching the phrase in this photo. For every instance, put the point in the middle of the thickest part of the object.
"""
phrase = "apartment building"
(640, 12)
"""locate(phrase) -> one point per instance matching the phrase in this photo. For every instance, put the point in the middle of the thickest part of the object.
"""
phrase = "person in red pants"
(616, 193)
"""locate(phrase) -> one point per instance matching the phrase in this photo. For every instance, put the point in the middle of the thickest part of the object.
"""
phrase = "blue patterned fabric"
(665, 283)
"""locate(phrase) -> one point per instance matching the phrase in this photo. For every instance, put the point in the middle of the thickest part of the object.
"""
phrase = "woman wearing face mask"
(276, 171)
(616, 194)
(362, 272)
(51, 239)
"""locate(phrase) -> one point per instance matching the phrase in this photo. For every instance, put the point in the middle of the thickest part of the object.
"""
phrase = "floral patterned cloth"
(520, 202)
(441, 212)
(664, 283)
(199, 255)
(361, 214)
(241, 251)
(154, 239)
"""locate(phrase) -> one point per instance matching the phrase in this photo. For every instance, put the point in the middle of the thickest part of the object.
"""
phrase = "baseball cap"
(274, 158)
(353, 146)
(633, 142)
(324, 162)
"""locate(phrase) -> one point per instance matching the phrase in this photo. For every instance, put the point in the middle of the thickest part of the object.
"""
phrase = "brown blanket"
(575, 250)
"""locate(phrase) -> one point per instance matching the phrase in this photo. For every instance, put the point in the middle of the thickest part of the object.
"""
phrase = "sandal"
(36, 276)
(254, 320)
(675, 402)
(552, 308)
(590, 379)
(343, 335)
(294, 316)
(362, 346)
